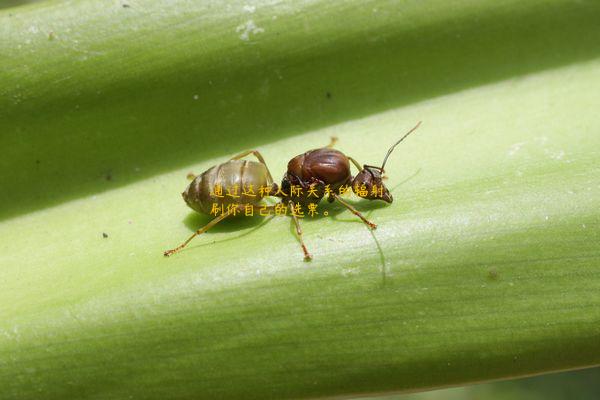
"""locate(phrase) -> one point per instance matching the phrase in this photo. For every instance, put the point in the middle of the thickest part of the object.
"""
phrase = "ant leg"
(307, 256)
(260, 158)
(303, 184)
(334, 139)
(354, 211)
(356, 164)
(198, 232)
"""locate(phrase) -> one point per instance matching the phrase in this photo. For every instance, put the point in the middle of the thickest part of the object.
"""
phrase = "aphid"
(200, 195)
(318, 172)
(324, 171)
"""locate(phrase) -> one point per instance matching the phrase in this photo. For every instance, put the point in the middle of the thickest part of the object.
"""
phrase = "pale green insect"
(201, 197)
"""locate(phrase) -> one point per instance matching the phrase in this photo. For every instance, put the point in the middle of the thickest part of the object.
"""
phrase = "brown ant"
(324, 171)
(317, 172)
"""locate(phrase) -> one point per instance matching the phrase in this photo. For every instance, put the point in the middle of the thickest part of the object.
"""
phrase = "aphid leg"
(198, 232)
(334, 139)
(307, 256)
(260, 158)
(354, 211)
(356, 164)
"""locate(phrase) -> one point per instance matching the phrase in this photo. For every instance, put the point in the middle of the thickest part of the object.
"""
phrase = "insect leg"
(260, 158)
(356, 164)
(307, 256)
(334, 139)
(198, 232)
(354, 211)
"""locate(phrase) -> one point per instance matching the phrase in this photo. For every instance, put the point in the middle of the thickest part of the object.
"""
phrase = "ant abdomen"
(233, 182)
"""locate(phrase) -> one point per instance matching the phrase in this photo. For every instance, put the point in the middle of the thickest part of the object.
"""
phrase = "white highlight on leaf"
(350, 271)
(514, 149)
(555, 155)
(541, 143)
(248, 28)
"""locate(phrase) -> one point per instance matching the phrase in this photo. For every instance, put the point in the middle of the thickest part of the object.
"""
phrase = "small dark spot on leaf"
(126, 6)
(51, 36)
(104, 235)
(37, 162)
(328, 94)
(108, 176)
(493, 274)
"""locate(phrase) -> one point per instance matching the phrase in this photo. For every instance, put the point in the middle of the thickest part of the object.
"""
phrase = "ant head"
(368, 184)
(369, 181)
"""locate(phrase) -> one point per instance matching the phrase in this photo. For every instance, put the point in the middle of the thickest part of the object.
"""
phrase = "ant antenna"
(395, 144)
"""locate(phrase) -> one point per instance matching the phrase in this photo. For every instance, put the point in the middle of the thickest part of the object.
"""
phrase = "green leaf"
(484, 267)
(581, 384)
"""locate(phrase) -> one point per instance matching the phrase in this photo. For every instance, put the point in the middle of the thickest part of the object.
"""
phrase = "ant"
(318, 172)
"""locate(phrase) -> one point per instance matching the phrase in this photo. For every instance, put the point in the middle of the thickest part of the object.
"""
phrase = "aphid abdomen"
(233, 180)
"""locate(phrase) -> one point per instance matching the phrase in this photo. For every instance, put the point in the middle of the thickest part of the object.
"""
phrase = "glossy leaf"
(484, 267)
